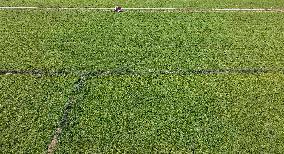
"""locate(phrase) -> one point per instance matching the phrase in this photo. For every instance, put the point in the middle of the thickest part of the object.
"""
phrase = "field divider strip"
(70, 103)
(146, 9)
(17, 7)
(129, 71)
(37, 72)
(248, 10)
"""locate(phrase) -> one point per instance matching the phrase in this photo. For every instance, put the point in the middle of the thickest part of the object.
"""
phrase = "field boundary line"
(63, 122)
(129, 71)
(37, 72)
(248, 10)
(146, 9)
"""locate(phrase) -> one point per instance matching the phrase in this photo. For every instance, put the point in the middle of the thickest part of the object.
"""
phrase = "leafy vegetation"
(146, 113)
(171, 113)
(29, 111)
(87, 40)
(149, 3)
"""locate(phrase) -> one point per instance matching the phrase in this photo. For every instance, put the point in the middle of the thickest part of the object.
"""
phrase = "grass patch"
(88, 40)
(30, 110)
(150, 3)
(179, 114)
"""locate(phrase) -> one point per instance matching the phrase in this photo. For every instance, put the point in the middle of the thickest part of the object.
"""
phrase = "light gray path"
(148, 9)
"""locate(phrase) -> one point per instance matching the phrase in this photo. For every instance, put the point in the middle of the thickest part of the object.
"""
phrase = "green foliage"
(149, 3)
(179, 114)
(146, 113)
(87, 40)
(29, 111)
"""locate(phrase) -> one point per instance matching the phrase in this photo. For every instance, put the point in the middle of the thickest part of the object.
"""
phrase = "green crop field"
(96, 81)
(87, 40)
(179, 114)
(30, 109)
(149, 3)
